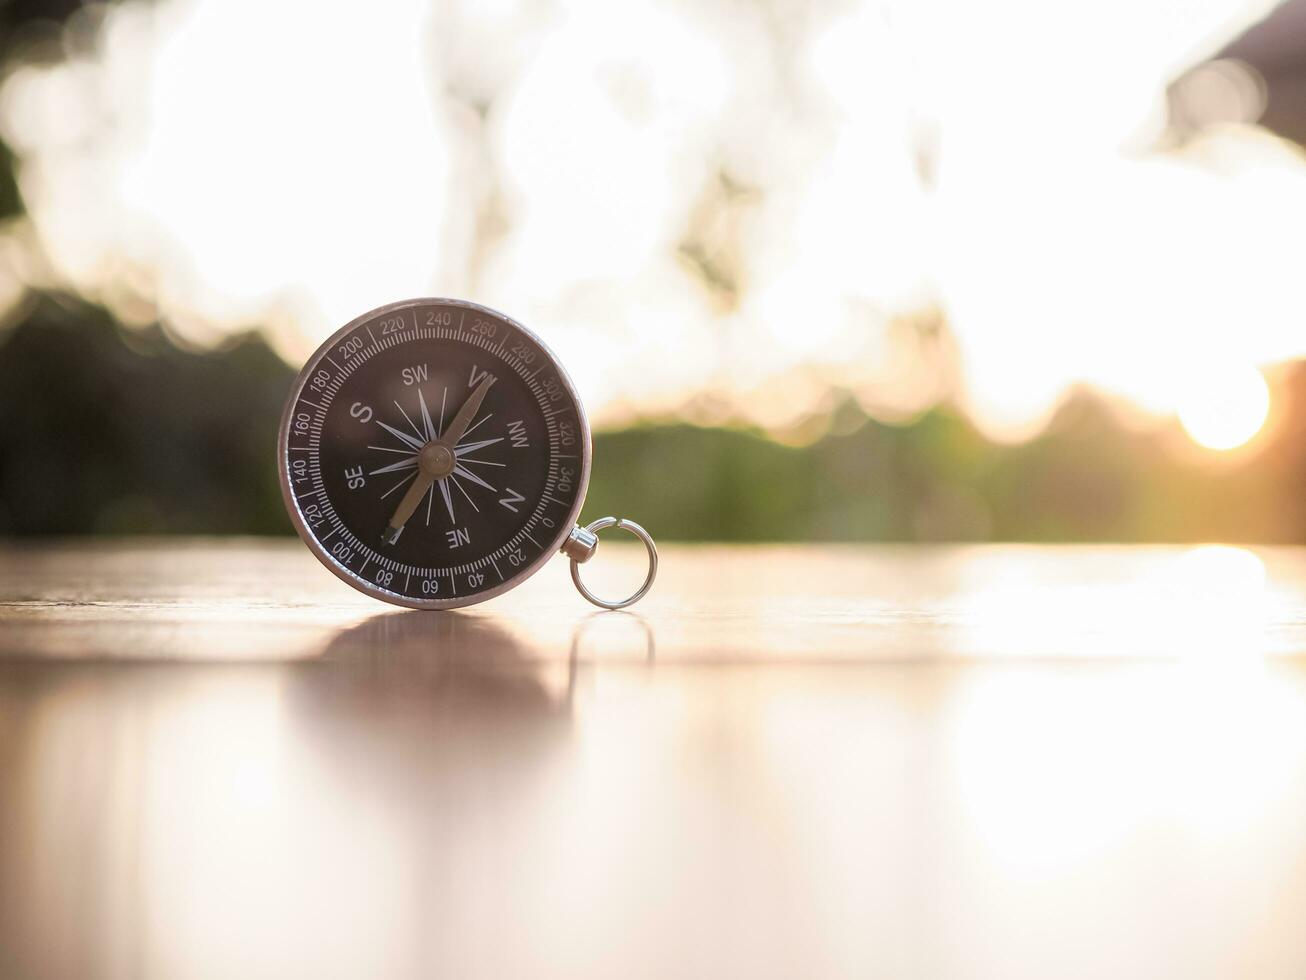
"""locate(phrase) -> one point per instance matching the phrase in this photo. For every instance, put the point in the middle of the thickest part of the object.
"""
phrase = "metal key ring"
(639, 532)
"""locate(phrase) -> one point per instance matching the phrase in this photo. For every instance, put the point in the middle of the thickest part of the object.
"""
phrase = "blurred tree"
(110, 430)
(11, 203)
(1086, 478)
(107, 430)
(19, 19)
(22, 22)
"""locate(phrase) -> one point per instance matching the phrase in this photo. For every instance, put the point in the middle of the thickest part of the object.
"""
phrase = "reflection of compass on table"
(407, 659)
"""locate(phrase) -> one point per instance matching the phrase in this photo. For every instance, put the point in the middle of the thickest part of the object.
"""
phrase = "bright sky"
(234, 162)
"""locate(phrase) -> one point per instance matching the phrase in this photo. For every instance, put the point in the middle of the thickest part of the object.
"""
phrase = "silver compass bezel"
(371, 588)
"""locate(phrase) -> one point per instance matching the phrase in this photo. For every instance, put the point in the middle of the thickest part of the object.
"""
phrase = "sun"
(1225, 408)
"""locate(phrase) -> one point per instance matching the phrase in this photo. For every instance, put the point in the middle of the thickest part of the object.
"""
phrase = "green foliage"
(108, 430)
(937, 479)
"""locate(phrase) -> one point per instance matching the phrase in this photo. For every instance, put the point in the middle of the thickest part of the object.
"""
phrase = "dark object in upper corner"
(1275, 49)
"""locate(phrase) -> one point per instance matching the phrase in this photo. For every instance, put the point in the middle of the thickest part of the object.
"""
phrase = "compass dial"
(433, 453)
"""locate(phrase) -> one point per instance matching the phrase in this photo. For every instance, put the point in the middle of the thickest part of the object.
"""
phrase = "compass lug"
(581, 544)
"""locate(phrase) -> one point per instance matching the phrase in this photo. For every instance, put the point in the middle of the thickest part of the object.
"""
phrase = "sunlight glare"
(1225, 408)
(640, 181)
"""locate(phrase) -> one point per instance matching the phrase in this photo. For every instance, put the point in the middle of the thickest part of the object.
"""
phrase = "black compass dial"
(434, 453)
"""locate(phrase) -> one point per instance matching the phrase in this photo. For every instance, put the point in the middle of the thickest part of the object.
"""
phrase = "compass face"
(433, 453)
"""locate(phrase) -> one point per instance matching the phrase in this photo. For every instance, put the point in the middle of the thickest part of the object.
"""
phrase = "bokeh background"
(858, 269)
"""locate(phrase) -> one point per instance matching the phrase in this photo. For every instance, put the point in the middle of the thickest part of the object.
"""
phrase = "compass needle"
(458, 427)
(407, 505)
(435, 460)
(363, 453)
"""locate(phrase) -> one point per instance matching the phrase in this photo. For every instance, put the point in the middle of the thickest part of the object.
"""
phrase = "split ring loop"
(639, 532)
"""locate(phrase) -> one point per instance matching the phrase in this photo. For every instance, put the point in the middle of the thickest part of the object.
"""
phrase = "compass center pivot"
(436, 460)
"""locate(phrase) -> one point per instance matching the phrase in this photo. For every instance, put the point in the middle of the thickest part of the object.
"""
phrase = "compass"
(433, 453)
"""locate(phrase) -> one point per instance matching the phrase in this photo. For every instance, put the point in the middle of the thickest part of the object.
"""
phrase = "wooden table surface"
(1008, 762)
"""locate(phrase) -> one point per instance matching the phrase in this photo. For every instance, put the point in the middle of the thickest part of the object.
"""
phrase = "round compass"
(434, 453)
